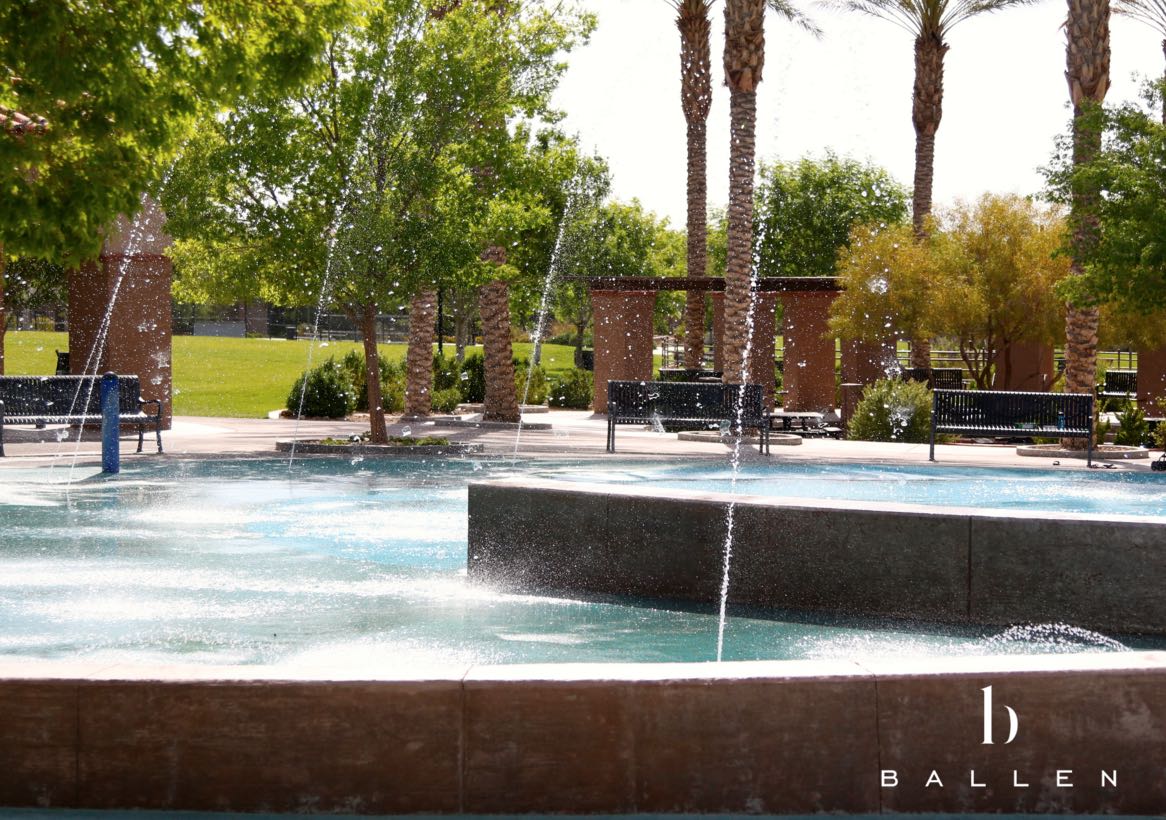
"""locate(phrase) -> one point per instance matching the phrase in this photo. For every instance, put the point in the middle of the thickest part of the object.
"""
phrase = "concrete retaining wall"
(948, 564)
(773, 737)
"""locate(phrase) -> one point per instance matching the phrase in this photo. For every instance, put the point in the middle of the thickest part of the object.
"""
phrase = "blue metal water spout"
(110, 424)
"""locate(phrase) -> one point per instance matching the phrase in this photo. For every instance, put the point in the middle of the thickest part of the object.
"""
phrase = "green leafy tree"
(614, 239)
(1125, 262)
(998, 265)
(121, 84)
(888, 285)
(373, 177)
(806, 210)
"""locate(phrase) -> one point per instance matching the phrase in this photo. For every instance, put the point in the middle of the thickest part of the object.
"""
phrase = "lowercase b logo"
(1013, 721)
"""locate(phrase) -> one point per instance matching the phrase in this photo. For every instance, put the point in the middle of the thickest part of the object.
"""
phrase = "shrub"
(1134, 430)
(892, 410)
(392, 381)
(446, 374)
(445, 401)
(472, 380)
(537, 392)
(571, 388)
(326, 391)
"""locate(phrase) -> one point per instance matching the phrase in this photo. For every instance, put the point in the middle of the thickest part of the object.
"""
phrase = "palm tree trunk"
(372, 375)
(739, 261)
(696, 96)
(1164, 80)
(697, 242)
(419, 357)
(494, 307)
(926, 113)
(1087, 72)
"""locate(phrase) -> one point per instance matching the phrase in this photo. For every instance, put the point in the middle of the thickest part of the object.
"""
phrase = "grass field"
(244, 378)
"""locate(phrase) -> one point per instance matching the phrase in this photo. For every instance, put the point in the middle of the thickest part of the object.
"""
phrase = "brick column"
(808, 373)
(623, 338)
(138, 338)
(761, 349)
(1032, 367)
(718, 299)
(1151, 379)
(867, 362)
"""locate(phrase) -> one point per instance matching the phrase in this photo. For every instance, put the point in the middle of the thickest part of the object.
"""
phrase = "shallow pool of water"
(363, 565)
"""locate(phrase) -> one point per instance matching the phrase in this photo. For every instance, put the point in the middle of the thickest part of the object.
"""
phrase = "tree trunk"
(372, 375)
(580, 329)
(494, 307)
(419, 356)
(1087, 73)
(926, 113)
(696, 97)
(462, 305)
(3, 314)
(739, 262)
(697, 243)
(744, 61)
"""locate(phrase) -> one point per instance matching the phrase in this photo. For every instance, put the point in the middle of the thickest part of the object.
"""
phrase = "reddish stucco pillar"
(623, 338)
(1151, 379)
(808, 372)
(867, 362)
(1031, 367)
(761, 346)
(134, 275)
(718, 300)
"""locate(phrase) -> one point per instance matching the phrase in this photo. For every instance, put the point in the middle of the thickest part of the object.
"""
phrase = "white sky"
(1005, 97)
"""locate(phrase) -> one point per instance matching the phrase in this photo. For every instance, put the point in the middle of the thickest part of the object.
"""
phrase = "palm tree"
(744, 61)
(1153, 14)
(696, 94)
(1087, 71)
(929, 22)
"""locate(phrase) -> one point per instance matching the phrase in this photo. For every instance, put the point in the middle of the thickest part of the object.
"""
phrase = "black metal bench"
(42, 400)
(694, 404)
(936, 378)
(1119, 384)
(996, 413)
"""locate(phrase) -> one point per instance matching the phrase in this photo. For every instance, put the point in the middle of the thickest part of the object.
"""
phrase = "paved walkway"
(575, 434)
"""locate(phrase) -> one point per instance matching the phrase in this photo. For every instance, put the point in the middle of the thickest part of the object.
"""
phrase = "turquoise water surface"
(363, 565)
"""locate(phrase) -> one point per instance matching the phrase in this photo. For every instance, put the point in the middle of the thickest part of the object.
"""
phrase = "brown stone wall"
(623, 338)
(1151, 379)
(1032, 367)
(808, 372)
(798, 737)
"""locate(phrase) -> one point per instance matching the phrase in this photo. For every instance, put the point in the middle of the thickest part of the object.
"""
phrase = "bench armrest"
(156, 402)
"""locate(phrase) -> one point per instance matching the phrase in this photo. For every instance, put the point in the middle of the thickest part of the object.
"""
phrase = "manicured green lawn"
(244, 378)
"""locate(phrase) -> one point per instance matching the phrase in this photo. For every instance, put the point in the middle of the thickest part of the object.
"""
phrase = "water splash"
(544, 310)
(735, 459)
(1052, 637)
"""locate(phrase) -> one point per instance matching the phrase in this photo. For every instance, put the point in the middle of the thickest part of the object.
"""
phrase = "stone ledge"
(314, 448)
